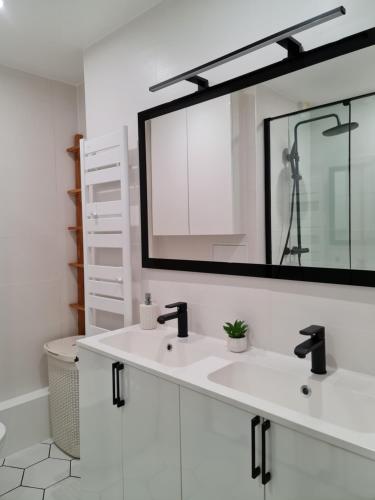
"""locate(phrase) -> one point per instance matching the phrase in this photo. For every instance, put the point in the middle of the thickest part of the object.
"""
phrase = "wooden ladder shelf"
(75, 193)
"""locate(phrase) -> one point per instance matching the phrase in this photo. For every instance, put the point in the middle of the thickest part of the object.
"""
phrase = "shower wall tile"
(37, 124)
(30, 316)
(276, 311)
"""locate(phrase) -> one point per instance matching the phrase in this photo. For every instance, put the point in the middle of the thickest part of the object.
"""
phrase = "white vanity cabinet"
(195, 170)
(129, 452)
(216, 450)
(168, 442)
(100, 430)
(306, 468)
(216, 459)
(151, 437)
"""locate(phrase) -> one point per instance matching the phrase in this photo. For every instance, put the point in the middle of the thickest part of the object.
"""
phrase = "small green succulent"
(236, 330)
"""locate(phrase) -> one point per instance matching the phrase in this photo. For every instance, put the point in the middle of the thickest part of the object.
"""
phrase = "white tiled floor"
(41, 472)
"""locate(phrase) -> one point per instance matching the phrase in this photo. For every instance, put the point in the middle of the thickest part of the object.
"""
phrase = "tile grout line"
(48, 459)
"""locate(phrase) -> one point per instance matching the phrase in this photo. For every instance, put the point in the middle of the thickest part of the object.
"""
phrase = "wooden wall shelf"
(75, 193)
(77, 265)
(77, 307)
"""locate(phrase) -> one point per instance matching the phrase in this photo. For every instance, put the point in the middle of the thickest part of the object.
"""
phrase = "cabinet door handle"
(120, 402)
(255, 469)
(114, 389)
(266, 476)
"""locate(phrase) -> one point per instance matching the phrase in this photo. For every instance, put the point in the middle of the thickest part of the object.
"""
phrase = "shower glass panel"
(363, 184)
(310, 179)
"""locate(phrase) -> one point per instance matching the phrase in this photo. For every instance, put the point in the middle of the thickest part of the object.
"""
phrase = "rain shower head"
(340, 128)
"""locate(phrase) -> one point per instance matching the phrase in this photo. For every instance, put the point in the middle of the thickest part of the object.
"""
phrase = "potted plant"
(237, 338)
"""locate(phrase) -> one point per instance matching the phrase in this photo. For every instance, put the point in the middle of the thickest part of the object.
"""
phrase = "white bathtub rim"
(23, 399)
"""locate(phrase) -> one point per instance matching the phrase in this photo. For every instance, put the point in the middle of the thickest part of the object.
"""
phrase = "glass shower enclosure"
(322, 183)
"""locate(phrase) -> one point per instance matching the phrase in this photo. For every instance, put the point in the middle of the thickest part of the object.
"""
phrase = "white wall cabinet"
(213, 188)
(130, 452)
(169, 174)
(194, 175)
(172, 443)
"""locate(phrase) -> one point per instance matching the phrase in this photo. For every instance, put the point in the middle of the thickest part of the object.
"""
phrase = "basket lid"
(65, 349)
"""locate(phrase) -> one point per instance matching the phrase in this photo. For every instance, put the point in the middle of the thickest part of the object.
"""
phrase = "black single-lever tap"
(316, 345)
(180, 315)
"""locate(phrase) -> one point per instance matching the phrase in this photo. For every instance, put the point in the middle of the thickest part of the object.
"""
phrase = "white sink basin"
(340, 398)
(161, 346)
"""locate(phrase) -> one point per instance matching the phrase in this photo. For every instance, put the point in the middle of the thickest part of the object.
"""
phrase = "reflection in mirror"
(206, 182)
(322, 172)
(307, 209)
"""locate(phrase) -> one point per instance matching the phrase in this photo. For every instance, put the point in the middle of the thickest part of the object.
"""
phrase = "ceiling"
(47, 37)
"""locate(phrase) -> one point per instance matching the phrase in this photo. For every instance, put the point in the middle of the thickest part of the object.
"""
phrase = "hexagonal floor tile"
(22, 493)
(29, 456)
(9, 479)
(46, 473)
(48, 441)
(75, 468)
(65, 490)
(57, 453)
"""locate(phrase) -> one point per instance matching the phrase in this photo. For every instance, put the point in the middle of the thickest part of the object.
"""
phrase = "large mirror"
(278, 174)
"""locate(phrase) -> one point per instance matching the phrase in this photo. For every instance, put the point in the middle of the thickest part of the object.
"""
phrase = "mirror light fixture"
(283, 38)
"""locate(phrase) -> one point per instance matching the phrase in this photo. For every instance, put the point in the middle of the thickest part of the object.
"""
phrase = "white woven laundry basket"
(64, 394)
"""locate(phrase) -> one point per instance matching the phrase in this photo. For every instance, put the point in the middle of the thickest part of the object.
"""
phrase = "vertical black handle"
(114, 388)
(120, 402)
(266, 476)
(255, 469)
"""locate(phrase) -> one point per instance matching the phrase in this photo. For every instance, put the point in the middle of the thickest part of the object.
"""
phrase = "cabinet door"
(100, 429)
(309, 469)
(212, 187)
(216, 450)
(169, 174)
(151, 437)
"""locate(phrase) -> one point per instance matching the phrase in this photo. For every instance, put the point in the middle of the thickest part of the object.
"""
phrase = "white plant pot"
(237, 345)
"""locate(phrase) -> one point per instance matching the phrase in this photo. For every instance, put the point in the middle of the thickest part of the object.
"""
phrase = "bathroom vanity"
(183, 419)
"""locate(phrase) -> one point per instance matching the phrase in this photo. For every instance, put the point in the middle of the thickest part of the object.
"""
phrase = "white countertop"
(353, 393)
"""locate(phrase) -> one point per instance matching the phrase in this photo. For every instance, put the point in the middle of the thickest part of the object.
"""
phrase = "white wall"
(38, 118)
(81, 112)
(174, 37)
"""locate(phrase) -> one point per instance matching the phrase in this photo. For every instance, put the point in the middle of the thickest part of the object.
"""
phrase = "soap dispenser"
(148, 313)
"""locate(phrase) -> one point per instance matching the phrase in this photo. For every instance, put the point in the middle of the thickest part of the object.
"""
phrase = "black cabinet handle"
(114, 389)
(266, 476)
(120, 402)
(255, 469)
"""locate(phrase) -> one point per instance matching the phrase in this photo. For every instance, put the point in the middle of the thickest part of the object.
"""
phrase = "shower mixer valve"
(296, 251)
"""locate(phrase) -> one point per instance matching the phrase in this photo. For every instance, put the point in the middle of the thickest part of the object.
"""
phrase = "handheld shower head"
(340, 128)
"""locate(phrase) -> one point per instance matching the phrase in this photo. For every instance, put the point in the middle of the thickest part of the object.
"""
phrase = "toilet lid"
(2, 431)
(65, 349)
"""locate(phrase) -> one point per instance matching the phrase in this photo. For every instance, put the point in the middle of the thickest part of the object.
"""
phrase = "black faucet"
(316, 345)
(180, 315)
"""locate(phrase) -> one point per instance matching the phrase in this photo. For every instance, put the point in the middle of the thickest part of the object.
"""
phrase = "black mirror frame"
(317, 55)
